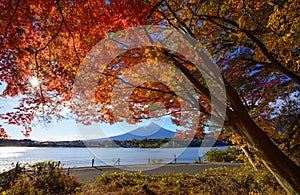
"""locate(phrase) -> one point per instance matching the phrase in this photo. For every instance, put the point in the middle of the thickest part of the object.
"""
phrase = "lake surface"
(79, 157)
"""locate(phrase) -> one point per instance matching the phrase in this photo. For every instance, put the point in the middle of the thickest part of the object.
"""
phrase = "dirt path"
(89, 174)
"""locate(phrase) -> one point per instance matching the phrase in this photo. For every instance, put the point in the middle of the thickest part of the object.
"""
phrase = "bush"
(256, 182)
(44, 178)
(7, 178)
(230, 154)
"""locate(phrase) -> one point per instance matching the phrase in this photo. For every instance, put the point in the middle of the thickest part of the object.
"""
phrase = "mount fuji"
(149, 131)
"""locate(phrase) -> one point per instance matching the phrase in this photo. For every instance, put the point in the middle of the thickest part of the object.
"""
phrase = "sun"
(34, 81)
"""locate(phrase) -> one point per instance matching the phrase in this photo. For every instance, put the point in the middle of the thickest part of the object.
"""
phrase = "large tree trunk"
(284, 169)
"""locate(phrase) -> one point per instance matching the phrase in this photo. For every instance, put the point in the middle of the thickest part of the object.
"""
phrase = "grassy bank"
(49, 178)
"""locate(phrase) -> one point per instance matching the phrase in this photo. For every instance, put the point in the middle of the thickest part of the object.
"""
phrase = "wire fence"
(72, 163)
(81, 157)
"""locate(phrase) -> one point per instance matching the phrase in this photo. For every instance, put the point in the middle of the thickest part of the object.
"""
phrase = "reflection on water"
(12, 152)
(10, 155)
(78, 157)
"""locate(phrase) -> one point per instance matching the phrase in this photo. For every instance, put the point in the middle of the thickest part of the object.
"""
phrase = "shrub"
(7, 178)
(257, 182)
(44, 178)
(230, 154)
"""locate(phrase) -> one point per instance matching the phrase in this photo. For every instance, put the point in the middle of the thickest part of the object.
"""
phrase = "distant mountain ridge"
(154, 133)
(149, 131)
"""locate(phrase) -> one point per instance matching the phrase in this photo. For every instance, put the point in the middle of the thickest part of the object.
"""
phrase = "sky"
(69, 129)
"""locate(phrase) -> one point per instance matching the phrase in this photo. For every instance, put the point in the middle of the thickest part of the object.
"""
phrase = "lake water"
(79, 157)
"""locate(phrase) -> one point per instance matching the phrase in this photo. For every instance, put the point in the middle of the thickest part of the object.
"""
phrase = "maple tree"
(45, 42)
(255, 45)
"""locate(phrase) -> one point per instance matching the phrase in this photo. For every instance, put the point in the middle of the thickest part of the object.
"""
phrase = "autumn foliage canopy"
(42, 45)
(255, 45)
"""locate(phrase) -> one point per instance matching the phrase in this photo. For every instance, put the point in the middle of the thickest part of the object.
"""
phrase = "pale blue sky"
(69, 129)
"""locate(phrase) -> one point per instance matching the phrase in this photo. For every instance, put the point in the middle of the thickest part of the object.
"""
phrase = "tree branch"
(11, 18)
(274, 62)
